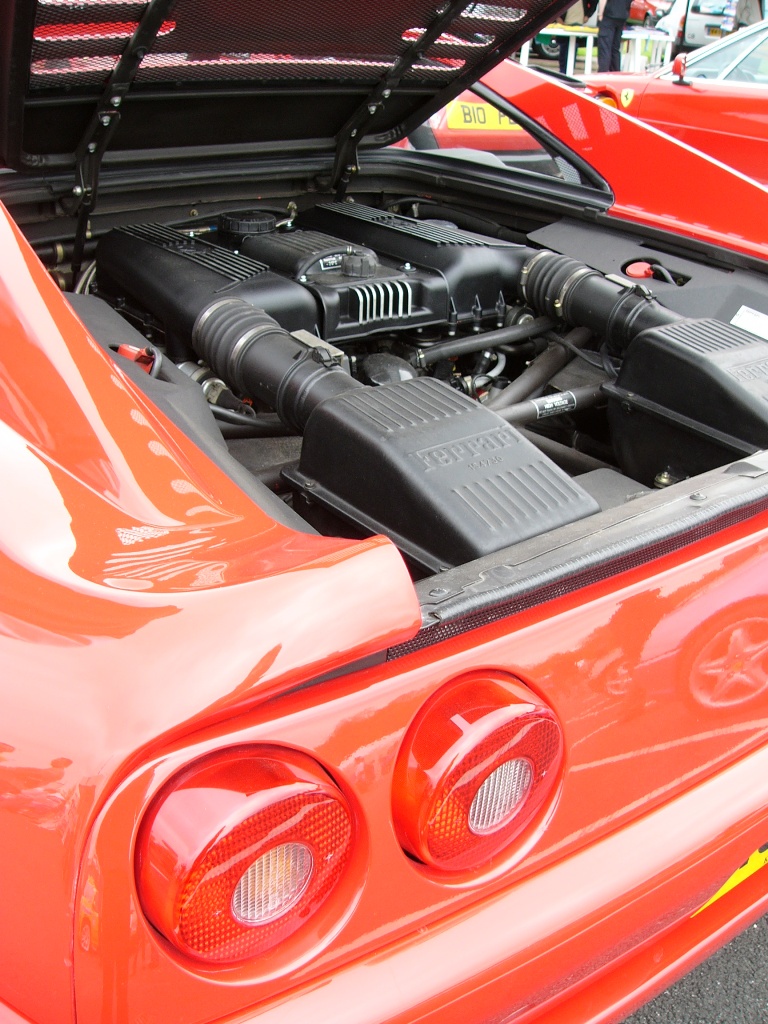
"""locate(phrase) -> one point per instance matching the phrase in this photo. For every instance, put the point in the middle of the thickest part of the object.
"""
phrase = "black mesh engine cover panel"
(80, 41)
(297, 71)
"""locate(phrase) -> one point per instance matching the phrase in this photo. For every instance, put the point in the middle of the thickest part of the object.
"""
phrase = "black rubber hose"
(238, 424)
(477, 342)
(259, 358)
(557, 404)
(553, 358)
(54, 254)
(568, 290)
(467, 222)
(569, 459)
(236, 431)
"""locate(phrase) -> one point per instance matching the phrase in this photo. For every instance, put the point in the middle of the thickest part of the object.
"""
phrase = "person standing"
(577, 14)
(611, 18)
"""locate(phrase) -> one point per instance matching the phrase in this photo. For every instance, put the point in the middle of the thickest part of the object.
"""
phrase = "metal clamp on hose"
(614, 309)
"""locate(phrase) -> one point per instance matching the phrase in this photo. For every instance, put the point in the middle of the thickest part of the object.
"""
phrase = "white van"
(693, 23)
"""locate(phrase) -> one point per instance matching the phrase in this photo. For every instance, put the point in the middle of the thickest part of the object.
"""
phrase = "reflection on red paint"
(92, 30)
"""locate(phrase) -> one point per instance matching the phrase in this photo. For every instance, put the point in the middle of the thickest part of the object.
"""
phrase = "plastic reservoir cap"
(639, 269)
(247, 222)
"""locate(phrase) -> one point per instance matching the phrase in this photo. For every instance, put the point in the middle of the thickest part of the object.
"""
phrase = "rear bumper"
(585, 940)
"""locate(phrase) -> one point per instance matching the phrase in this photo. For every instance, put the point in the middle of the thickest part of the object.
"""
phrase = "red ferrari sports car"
(648, 12)
(385, 542)
(716, 100)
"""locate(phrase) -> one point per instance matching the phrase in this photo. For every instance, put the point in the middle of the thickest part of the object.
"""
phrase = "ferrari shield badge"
(626, 96)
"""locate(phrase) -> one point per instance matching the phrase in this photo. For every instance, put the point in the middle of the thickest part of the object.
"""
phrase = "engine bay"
(364, 370)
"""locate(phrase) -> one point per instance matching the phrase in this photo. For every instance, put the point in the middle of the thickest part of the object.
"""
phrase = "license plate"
(478, 117)
(714, 30)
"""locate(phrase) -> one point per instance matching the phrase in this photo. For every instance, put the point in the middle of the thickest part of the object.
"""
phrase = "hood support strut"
(345, 164)
(102, 126)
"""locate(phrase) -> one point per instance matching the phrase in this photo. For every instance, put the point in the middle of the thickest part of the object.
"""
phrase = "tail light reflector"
(500, 796)
(273, 884)
(474, 771)
(240, 851)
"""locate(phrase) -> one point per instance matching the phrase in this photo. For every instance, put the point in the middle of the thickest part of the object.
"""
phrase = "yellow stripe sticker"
(758, 860)
(478, 117)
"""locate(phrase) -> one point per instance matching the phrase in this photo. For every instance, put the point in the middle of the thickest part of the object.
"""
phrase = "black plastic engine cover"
(345, 271)
(690, 396)
(446, 479)
(475, 268)
(358, 293)
(160, 269)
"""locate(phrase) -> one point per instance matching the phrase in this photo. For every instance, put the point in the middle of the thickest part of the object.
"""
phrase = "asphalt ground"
(729, 988)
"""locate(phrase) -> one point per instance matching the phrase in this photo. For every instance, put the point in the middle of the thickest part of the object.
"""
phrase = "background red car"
(648, 12)
(719, 105)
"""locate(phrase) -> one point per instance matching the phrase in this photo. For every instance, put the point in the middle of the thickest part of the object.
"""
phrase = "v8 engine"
(411, 355)
(344, 271)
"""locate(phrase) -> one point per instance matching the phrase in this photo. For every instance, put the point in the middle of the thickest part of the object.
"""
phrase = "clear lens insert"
(272, 884)
(500, 795)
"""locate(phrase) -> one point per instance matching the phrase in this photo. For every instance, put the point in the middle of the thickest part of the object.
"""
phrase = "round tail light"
(240, 851)
(474, 771)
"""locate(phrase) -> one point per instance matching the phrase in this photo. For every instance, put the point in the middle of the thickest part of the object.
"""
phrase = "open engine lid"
(234, 76)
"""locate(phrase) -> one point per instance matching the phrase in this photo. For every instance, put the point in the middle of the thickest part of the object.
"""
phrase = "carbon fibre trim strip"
(499, 591)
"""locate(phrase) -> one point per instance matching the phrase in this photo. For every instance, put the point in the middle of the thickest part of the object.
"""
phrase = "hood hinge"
(102, 126)
(346, 164)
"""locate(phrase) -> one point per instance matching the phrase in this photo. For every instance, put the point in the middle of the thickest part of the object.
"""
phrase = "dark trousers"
(564, 43)
(609, 44)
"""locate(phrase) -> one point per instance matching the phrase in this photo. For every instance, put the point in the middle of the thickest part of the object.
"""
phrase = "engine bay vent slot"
(388, 300)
